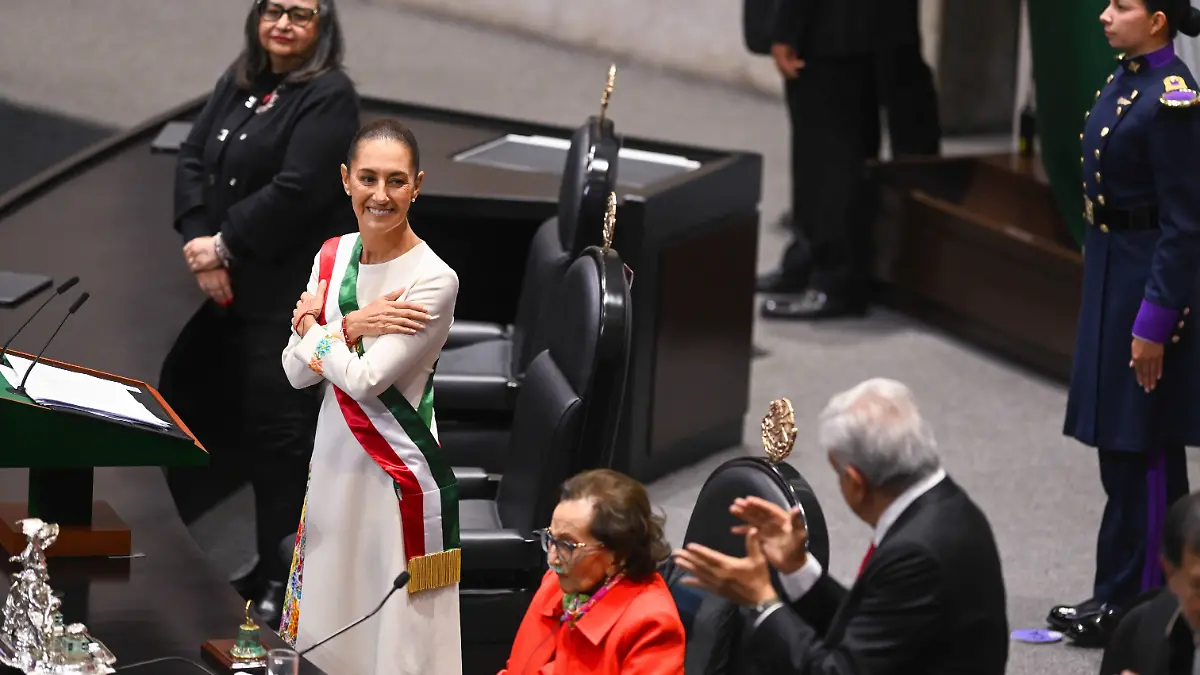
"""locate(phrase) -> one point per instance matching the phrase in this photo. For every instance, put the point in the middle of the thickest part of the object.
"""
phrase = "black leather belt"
(1109, 219)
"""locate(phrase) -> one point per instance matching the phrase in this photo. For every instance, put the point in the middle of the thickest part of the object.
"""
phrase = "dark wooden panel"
(705, 330)
(989, 266)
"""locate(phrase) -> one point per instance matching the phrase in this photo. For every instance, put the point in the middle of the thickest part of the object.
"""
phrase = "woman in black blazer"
(257, 190)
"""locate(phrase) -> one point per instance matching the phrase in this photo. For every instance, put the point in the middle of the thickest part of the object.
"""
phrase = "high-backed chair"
(714, 626)
(573, 384)
(482, 366)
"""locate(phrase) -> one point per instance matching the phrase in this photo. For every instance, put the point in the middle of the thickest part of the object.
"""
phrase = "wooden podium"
(61, 448)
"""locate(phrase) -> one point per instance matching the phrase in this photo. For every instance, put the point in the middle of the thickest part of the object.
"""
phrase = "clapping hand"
(743, 581)
(783, 534)
(385, 315)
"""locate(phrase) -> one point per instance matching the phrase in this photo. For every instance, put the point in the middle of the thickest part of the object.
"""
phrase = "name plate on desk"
(547, 154)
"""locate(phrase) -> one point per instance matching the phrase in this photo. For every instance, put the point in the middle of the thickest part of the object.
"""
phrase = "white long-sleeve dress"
(381, 497)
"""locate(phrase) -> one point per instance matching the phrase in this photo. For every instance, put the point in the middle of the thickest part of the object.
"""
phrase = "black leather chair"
(715, 626)
(482, 366)
(570, 388)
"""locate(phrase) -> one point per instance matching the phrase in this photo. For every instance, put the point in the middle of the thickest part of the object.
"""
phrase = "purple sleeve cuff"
(1155, 323)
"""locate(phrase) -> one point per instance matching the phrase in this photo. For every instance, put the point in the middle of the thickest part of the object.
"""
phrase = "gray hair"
(877, 429)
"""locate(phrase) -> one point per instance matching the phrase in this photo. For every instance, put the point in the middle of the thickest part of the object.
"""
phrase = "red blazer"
(634, 630)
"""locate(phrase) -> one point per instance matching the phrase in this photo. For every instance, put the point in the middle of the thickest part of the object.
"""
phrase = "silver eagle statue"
(33, 638)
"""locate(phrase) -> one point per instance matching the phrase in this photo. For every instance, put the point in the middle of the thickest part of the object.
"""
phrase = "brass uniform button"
(1100, 199)
(1103, 228)
(1097, 176)
(1097, 153)
(1175, 339)
(1103, 132)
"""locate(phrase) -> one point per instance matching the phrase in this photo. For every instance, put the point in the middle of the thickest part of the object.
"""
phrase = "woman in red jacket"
(602, 608)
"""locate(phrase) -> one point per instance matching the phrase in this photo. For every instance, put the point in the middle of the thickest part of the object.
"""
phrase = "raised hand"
(782, 534)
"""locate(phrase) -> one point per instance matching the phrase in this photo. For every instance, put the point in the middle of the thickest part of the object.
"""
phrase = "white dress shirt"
(798, 583)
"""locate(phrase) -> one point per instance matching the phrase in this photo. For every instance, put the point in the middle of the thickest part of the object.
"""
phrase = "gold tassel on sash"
(435, 570)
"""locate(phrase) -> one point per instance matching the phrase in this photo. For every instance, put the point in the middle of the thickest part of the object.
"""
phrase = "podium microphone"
(400, 582)
(74, 308)
(66, 286)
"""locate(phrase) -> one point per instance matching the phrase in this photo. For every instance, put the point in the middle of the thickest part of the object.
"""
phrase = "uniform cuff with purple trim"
(1155, 323)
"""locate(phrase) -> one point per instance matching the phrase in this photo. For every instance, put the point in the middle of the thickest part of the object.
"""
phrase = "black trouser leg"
(1139, 488)
(277, 441)
(199, 388)
(796, 264)
(909, 97)
(833, 104)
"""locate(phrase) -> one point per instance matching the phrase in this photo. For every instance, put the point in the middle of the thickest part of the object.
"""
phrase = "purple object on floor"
(1036, 635)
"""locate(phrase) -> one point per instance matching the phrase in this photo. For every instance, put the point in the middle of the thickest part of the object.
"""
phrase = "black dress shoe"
(1063, 617)
(780, 282)
(1095, 630)
(269, 604)
(812, 305)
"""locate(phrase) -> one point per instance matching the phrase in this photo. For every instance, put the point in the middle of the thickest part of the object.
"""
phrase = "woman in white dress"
(382, 498)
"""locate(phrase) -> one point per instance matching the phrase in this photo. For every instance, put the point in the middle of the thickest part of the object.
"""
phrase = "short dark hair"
(326, 56)
(386, 129)
(1181, 529)
(622, 519)
(1181, 16)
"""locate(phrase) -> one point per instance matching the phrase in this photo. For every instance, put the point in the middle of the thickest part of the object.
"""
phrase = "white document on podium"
(50, 386)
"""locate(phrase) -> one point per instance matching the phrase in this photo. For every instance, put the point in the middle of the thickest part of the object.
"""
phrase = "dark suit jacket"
(1152, 639)
(931, 600)
(269, 182)
(833, 28)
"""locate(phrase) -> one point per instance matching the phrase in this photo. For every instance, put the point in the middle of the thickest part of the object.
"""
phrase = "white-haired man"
(929, 596)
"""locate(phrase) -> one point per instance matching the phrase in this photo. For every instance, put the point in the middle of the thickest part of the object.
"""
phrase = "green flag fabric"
(1071, 58)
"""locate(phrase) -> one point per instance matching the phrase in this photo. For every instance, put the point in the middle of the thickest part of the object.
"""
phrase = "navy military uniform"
(1141, 191)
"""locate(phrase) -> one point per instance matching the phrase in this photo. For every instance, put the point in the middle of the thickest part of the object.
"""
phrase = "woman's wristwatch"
(223, 253)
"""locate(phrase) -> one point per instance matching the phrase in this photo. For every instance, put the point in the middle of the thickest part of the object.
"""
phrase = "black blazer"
(931, 600)
(1152, 639)
(270, 182)
(834, 28)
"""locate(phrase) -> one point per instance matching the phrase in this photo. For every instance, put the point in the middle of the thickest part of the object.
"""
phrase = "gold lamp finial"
(610, 221)
(608, 90)
(779, 430)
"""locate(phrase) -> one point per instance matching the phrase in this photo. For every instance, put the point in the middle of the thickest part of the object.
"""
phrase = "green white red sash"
(400, 440)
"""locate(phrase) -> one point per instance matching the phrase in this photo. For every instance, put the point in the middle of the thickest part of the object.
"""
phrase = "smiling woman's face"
(381, 184)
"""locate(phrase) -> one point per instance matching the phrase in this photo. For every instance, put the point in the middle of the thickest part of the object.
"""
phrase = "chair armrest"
(475, 483)
(493, 551)
(463, 333)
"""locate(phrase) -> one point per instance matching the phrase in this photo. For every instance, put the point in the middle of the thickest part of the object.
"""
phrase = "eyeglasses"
(565, 549)
(297, 16)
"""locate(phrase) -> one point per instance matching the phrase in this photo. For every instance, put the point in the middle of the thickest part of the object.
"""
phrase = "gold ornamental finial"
(610, 221)
(779, 430)
(608, 90)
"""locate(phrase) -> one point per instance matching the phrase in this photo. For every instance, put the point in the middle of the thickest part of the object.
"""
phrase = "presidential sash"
(399, 439)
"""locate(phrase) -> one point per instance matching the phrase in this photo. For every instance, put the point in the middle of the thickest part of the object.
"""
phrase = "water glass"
(283, 662)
